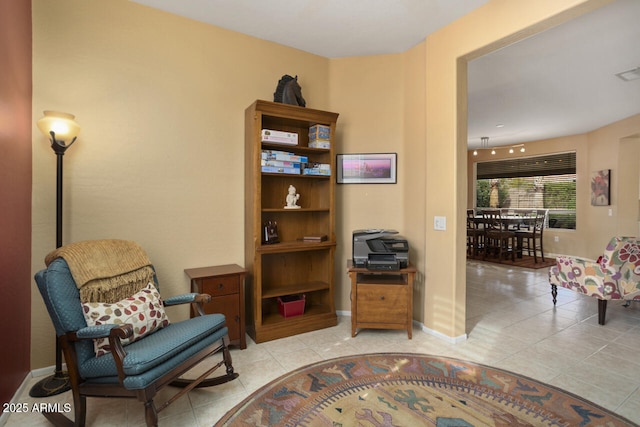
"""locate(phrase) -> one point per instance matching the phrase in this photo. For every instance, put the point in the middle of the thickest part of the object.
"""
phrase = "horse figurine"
(289, 91)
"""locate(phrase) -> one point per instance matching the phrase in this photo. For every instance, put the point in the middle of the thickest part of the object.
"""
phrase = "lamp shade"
(62, 124)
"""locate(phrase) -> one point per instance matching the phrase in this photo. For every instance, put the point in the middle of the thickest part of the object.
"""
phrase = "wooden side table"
(225, 284)
(381, 299)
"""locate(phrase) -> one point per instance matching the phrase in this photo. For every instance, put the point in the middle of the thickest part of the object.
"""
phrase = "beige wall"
(606, 146)
(159, 159)
(368, 93)
(628, 192)
(610, 147)
(496, 24)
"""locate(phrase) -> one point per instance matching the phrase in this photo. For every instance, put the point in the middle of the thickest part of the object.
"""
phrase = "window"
(542, 182)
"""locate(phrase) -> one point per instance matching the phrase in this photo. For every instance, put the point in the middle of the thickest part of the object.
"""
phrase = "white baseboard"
(46, 371)
(450, 340)
(41, 372)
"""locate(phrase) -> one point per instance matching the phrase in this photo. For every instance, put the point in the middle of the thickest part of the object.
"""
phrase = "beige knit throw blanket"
(105, 270)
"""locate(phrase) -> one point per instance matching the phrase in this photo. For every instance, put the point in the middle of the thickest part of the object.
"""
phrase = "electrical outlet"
(556, 239)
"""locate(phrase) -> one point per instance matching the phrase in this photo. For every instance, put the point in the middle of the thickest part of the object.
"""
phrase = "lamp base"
(51, 386)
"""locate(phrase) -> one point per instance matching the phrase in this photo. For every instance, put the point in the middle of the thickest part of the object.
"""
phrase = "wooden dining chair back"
(498, 239)
(531, 238)
(538, 231)
(475, 234)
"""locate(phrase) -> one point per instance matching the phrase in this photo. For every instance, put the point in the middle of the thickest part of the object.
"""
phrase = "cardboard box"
(280, 164)
(319, 133)
(277, 169)
(283, 156)
(316, 171)
(320, 144)
(279, 137)
(291, 305)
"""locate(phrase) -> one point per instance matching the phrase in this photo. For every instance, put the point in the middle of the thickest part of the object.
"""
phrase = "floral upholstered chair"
(615, 276)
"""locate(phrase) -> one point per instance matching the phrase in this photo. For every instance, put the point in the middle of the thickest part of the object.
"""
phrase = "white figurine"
(292, 198)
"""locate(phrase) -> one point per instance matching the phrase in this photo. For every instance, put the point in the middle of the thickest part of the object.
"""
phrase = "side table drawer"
(217, 286)
(382, 304)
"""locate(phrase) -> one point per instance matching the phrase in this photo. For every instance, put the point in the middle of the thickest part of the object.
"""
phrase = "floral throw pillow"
(144, 311)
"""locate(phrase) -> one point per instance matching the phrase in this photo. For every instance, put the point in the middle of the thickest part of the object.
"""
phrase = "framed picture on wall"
(601, 187)
(372, 168)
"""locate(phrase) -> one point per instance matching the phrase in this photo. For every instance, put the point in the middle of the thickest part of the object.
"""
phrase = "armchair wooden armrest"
(117, 349)
(96, 331)
(115, 333)
(197, 300)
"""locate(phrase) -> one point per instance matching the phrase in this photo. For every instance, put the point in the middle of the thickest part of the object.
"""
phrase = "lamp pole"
(59, 381)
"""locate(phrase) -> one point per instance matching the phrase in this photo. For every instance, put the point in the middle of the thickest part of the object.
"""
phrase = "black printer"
(380, 249)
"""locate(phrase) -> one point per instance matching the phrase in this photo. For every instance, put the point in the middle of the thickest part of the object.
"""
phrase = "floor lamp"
(62, 130)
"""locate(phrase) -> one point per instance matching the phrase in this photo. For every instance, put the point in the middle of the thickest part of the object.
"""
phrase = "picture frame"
(367, 168)
(601, 188)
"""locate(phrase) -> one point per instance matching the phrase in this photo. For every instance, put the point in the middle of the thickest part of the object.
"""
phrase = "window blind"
(552, 164)
(540, 182)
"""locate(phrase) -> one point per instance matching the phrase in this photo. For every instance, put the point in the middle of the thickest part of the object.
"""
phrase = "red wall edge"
(15, 194)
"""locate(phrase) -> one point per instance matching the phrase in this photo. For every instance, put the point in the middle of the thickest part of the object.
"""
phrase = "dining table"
(513, 220)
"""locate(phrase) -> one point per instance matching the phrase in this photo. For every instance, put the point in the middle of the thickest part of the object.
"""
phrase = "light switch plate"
(440, 223)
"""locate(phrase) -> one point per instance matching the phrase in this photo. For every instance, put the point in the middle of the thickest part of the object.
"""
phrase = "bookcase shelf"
(296, 211)
(292, 266)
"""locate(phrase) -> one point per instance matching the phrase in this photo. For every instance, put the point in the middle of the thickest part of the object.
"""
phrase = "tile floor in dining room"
(511, 324)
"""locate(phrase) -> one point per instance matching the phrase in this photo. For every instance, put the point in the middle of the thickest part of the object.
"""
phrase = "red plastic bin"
(291, 305)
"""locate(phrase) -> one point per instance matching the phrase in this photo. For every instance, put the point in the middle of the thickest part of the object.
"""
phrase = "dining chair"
(532, 239)
(475, 234)
(498, 238)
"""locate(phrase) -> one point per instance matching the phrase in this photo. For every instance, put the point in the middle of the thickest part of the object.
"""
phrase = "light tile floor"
(511, 324)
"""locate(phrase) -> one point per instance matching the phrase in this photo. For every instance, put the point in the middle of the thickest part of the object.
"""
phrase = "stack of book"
(274, 161)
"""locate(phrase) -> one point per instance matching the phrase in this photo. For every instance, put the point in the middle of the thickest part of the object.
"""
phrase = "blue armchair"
(115, 336)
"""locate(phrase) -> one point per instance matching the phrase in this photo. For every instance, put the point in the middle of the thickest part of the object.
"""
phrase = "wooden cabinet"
(291, 266)
(225, 284)
(381, 299)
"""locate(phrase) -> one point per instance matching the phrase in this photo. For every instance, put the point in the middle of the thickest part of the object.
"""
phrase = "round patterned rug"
(398, 389)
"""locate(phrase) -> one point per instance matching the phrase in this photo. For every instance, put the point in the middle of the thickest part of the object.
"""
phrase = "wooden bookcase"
(291, 266)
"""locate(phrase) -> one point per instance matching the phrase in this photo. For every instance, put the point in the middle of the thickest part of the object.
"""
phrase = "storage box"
(279, 137)
(320, 144)
(279, 169)
(283, 156)
(319, 133)
(291, 305)
(316, 171)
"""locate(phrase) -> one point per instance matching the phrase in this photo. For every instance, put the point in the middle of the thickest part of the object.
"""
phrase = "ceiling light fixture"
(484, 145)
(629, 75)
